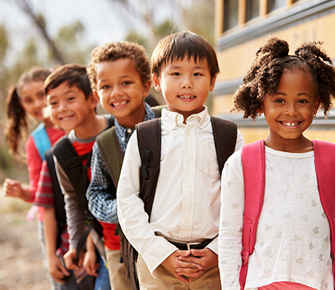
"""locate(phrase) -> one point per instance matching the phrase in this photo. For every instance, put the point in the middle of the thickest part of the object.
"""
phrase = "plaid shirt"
(100, 201)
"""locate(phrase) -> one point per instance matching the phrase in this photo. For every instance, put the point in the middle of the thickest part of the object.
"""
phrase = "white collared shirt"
(187, 199)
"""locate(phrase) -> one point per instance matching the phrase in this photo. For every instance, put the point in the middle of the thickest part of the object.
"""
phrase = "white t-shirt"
(293, 234)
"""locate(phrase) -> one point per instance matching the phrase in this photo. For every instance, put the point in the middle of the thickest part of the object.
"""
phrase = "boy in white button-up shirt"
(186, 206)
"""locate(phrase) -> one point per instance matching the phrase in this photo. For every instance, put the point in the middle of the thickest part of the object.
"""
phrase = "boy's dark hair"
(118, 50)
(183, 44)
(73, 75)
(271, 60)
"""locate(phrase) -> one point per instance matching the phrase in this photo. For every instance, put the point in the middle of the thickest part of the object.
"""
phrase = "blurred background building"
(242, 26)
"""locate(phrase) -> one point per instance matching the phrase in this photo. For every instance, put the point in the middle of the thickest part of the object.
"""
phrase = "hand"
(13, 188)
(57, 271)
(90, 263)
(181, 268)
(70, 259)
(206, 258)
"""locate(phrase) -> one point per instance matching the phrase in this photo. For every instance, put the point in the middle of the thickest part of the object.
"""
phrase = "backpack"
(41, 140)
(149, 142)
(71, 163)
(253, 164)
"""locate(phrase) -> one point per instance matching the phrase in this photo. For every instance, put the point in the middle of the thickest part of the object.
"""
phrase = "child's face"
(185, 85)
(120, 89)
(68, 107)
(290, 111)
(32, 99)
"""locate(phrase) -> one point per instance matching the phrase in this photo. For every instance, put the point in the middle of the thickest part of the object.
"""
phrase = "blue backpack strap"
(253, 164)
(41, 139)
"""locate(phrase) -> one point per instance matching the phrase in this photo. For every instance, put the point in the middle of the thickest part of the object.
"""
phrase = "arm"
(231, 222)
(55, 267)
(90, 261)
(13, 188)
(34, 165)
(132, 217)
(100, 201)
(74, 215)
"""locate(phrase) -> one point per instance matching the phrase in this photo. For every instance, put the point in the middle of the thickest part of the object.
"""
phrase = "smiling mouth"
(65, 118)
(290, 124)
(186, 97)
(116, 104)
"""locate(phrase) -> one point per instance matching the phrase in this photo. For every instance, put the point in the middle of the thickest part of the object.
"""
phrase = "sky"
(103, 22)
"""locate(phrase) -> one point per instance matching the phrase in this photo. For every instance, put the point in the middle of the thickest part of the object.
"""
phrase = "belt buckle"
(191, 244)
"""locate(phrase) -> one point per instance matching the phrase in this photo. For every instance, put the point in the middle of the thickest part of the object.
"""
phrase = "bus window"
(230, 14)
(274, 4)
(252, 9)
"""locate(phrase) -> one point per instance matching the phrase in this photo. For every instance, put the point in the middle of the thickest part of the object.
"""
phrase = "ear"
(95, 94)
(316, 105)
(156, 82)
(93, 99)
(211, 87)
(260, 111)
(146, 88)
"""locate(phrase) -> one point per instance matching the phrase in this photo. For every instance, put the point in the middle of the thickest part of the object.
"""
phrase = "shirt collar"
(173, 119)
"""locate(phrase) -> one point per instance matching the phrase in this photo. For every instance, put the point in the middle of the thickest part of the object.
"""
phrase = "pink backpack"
(253, 163)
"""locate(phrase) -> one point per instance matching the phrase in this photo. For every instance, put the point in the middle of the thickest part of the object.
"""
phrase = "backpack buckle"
(245, 257)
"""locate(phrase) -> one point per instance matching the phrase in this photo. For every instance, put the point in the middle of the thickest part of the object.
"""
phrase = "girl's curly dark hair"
(271, 60)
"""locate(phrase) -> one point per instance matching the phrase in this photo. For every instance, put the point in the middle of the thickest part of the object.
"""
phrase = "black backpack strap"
(71, 163)
(225, 134)
(59, 203)
(149, 144)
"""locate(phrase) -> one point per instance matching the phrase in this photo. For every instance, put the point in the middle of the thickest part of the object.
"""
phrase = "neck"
(300, 145)
(133, 118)
(93, 126)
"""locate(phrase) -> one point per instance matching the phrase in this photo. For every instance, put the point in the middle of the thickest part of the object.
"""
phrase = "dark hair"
(118, 50)
(183, 44)
(17, 125)
(271, 60)
(73, 75)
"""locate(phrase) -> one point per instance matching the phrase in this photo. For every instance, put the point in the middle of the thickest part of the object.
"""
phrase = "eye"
(70, 98)
(197, 74)
(279, 101)
(126, 83)
(52, 104)
(175, 74)
(303, 101)
(105, 87)
(41, 96)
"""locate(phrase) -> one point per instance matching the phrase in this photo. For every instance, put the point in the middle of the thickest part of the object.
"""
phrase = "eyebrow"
(179, 66)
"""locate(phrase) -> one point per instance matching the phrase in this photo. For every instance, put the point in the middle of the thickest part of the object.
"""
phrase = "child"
(292, 248)
(27, 99)
(185, 212)
(120, 77)
(72, 106)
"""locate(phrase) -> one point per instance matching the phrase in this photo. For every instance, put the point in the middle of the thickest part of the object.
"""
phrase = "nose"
(291, 109)
(40, 104)
(116, 92)
(187, 82)
(62, 106)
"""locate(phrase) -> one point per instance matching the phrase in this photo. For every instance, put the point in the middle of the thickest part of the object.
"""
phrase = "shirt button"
(188, 133)
(188, 160)
(129, 131)
(189, 189)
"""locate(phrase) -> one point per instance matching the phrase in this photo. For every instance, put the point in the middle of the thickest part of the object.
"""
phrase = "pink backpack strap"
(324, 159)
(253, 164)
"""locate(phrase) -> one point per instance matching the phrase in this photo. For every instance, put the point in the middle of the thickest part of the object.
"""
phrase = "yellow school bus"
(241, 28)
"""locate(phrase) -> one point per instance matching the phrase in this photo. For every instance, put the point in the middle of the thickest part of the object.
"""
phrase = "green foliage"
(134, 36)
(165, 28)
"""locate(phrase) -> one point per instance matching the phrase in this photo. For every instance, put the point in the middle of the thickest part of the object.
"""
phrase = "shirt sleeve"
(231, 222)
(74, 215)
(239, 141)
(99, 193)
(132, 216)
(34, 165)
(44, 194)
